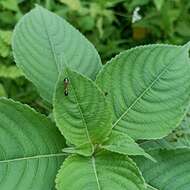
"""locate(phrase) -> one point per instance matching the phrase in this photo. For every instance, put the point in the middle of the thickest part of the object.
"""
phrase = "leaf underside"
(43, 43)
(104, 171)
(30, 148)
(149, 89)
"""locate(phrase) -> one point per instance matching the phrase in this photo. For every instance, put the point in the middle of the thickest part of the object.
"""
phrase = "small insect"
(106, 93)
(66, 83)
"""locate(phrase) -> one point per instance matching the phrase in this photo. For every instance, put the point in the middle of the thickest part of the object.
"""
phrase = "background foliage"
(112, 26)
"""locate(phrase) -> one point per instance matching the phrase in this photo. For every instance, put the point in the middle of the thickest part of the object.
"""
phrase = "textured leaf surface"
(179, 138)
(172, 171)
(123, 144)
(149, 89)
(30, 148)
(43, 43)
(84, 115)
(105, 171)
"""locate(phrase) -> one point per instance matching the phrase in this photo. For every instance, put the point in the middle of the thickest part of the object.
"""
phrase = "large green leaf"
(44, 43)
(30, 148)
(123, 144)
(104, 171)
(83, 116)
(149, 89)
(172, 171)
(179, 138)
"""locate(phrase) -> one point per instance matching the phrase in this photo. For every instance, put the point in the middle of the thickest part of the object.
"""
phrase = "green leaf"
(179, 138)
(30, 148)
(44, 43)
(158, 4)
(148, 88)
(160, 144)
(10, 5)
(10, 72)
(5, 39)
(83, 116)
(149, 187)
(74, 5)
(170, 172)
(2, 91)
(123, 144)
(104, 171)
(5, 36)
(84, 149)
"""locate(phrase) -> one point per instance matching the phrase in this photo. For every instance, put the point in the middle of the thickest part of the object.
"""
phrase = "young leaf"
(44, 43)
(158, 4)
(83, 115)
(170, 172)
(10, 5)
(123, 144)
(83, 149)
(149, 89)
(10, 72)
(30, 148)
(74, 5)
(104, 171)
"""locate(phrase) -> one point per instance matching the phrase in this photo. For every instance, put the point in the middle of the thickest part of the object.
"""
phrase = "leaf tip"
(187, 46)
(37, 5)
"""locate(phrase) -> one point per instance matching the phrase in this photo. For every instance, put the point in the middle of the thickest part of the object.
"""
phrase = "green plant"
(107, 24)
(141, 94)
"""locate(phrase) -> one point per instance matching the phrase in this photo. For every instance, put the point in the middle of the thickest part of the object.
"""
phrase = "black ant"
(66, 83)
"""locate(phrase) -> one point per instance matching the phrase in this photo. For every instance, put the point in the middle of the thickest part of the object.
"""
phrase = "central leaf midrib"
(95, 172)
(145, 91)
(33, 157)
(81, 113)
(49, 41)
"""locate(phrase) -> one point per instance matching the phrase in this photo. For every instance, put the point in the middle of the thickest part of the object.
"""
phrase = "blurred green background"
(111, 25)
